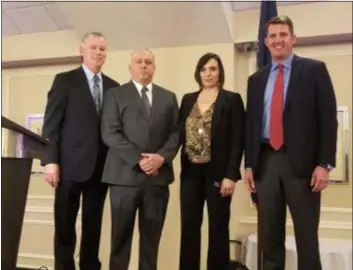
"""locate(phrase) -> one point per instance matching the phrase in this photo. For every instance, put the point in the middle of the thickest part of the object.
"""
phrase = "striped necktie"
(96, 92)
(145, 100)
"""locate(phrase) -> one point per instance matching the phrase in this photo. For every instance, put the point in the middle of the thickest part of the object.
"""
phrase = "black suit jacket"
(71, 122)
(227, 134)
(310, 117)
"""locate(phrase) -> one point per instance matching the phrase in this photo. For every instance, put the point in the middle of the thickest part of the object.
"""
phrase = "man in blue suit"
(291, 133)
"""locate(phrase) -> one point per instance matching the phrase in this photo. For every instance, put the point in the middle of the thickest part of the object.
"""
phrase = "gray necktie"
(96, 92)
(145, 100)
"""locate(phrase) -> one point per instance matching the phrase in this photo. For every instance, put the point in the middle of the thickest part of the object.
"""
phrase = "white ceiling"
(31, 17)
(154, 24)
(147, 24)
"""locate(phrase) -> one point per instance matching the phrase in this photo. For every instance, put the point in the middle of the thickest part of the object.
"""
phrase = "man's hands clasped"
(150, 163)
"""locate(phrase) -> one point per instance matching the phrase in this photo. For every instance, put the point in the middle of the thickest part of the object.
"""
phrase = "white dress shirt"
(90, 75)
(148, 93)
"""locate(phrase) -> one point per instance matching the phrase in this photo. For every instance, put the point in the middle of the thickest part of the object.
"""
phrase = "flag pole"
(268, 10)
(259, 244)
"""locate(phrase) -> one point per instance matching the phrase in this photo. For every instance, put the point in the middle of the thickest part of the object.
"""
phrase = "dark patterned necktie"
(145, 100)
(96, 93)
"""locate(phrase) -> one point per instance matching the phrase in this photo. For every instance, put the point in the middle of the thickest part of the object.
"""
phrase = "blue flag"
(268, 10)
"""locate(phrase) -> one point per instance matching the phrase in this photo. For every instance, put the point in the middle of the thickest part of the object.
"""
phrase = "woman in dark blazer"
(212, 127)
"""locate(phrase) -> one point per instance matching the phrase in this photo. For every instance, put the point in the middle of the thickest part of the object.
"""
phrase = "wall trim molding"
(39, 209)
(31, 266)
(44, 209)
(38, 222)
(309, 55)
(41, 62)
(44, 222)
(325, 209)
(328, 209)
(39, 256)
(252, 60)
(36, 256)
(322, 40)
(40, 197)
(324, 224)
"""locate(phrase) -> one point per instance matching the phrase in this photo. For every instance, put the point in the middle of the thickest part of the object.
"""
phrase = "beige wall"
(337, 199)
(310, 19)
(40, 45)
(175, 67)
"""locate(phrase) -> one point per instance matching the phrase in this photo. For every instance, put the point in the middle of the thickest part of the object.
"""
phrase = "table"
(336, 254)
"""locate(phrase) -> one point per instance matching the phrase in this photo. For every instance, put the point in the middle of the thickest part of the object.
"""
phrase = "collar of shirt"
(90, 74)
(140, 86)
(287, 63)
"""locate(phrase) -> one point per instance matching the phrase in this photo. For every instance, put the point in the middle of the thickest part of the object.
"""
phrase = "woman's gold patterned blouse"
(198, 134)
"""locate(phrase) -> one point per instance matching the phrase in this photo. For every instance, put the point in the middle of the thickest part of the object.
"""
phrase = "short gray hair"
(141, 50)
(92, 33)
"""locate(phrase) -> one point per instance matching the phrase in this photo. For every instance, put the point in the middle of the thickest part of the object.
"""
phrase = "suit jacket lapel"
(86, 95)
(261, 88)
(293, 78)
(217, 111)
(136, 96)
(105, 83)
(185, 111)
(157, 102)
(190, 103)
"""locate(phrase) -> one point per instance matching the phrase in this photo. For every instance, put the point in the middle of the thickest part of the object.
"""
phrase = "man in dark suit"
(139, 125)
(291, 132)
(76, 158)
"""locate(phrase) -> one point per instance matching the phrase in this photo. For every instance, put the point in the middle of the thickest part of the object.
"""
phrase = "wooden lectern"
(23, 146)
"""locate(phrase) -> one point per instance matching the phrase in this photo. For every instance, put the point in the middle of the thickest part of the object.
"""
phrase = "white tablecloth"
(336, 254)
